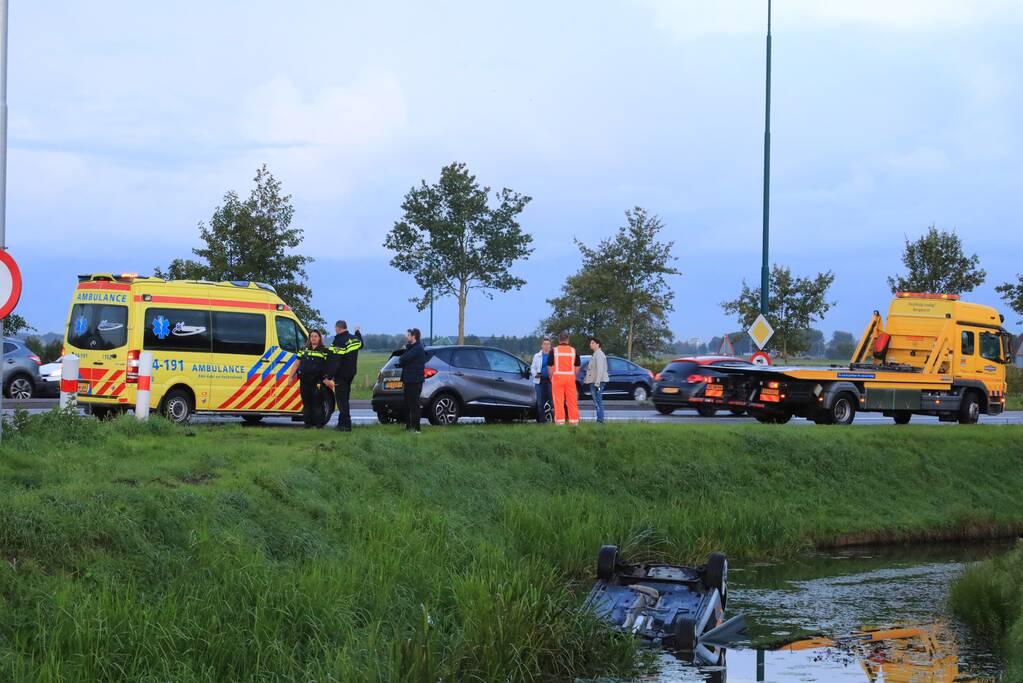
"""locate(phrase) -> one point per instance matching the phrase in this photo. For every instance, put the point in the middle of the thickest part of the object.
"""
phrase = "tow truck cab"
(935, 355)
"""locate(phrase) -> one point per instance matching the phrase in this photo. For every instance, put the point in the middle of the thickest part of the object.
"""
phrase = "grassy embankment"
(151, 552)
(989, 597)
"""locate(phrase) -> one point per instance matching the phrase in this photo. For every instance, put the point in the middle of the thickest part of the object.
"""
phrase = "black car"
(626, 379)
(682, 382)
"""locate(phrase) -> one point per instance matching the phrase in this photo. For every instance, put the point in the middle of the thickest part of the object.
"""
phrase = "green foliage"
(14, 323)
(1014, 377)
(795, 304)
(452, 241)
(937, 264)
(1012, 293)
(841, 346)
(253, 240)
(147, 551)
(48, 352)
(989, 597)
(620, 293)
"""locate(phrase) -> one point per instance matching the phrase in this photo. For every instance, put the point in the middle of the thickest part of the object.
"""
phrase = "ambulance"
(227, 348)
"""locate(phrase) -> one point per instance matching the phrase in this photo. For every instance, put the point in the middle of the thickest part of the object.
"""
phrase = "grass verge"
(989, 597)
(150, 552)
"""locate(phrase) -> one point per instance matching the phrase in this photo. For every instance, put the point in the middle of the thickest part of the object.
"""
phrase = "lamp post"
(3, 139)
(765, 273)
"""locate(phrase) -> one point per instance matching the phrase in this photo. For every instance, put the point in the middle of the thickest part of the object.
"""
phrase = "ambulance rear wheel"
(252, 419)
(177, 406)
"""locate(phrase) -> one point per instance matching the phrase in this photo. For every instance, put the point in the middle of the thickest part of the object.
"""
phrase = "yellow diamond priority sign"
(761, 331)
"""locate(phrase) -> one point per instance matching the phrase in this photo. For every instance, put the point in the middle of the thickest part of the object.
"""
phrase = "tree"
(621, 293)
(48, 352)
(252, 240)
(14, 323)
(1012, 293)
(815, 344)
(936, 263)
(795, 303)
(452, 241)
(841, 346)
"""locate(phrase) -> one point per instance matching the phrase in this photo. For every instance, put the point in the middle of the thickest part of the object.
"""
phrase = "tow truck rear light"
(773, 385)
(131, 376)
(429, 372)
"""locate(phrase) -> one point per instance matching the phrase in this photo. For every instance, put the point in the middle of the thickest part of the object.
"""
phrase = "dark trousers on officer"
(343, 395)
(412, 408)
(312, 403)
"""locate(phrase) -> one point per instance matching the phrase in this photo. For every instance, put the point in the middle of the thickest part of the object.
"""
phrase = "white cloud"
(685, 21)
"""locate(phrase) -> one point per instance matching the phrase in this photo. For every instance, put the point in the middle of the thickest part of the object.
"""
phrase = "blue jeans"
(543, 396)
(597, 394)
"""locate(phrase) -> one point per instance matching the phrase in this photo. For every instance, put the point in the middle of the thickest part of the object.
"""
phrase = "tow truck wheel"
(843, 410)
(902, 417)
(716, 575)
(707, 411)
(969, 410)
(664, 410)
(607, 560)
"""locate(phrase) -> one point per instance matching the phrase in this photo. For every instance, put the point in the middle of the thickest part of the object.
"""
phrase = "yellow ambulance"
(218, 347)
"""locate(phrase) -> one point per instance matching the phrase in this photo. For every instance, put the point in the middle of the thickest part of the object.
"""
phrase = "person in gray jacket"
(597, 377)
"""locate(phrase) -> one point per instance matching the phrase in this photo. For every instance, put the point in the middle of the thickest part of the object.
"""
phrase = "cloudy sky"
(129, 121)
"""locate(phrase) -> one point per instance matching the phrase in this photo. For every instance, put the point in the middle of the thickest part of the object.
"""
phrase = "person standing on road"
(412, 361)
(541, 374)
(597, 377)
(341, 368)
(312, 363)
(562, 363)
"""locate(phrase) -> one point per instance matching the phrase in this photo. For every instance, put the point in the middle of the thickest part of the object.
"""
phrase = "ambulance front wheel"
(178, 406)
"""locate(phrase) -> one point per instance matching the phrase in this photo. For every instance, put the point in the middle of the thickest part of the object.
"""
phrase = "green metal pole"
(765, 273)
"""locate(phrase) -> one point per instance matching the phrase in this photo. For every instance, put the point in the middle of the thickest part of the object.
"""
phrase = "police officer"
(312, 362)
(341, 368)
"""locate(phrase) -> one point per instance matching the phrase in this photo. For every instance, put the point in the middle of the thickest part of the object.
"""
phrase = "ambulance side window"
(289, 335)
(176, 329)
(968, 344)
(239, 333)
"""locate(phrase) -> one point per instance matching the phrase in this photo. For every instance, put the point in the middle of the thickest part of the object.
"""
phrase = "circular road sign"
(760, 358)
(10, 284)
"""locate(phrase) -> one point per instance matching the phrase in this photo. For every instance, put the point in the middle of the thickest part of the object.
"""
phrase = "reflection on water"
(876, 615)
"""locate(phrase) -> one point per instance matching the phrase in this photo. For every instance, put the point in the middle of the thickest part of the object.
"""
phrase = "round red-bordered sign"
(10, 284)
(760, 358)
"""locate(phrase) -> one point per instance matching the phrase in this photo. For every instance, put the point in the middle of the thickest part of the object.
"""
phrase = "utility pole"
(431, 316)
(3, 144)
(765, 273)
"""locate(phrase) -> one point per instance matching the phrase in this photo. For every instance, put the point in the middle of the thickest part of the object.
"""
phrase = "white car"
(49, 375)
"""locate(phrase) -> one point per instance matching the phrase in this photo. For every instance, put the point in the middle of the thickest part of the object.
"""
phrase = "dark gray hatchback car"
(20, 370)
(462, 381)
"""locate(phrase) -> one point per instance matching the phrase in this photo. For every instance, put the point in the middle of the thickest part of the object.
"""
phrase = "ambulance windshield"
(99, 327)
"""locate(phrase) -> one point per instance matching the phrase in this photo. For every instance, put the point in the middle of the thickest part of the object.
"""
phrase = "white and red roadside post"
(69, 382)
(144, 389)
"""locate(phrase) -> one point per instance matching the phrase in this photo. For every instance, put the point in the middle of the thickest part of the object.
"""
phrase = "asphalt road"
(617, 411)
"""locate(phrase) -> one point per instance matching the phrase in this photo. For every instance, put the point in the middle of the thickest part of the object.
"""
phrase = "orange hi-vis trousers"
(565, 396)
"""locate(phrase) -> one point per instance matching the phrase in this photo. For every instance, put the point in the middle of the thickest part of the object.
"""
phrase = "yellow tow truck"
(935, 355)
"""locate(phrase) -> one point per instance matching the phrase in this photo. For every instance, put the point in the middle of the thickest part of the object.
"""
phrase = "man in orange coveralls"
(563, 361)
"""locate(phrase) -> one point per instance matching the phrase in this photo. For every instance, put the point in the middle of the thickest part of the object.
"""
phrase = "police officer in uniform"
(312, 362)
(342, 365)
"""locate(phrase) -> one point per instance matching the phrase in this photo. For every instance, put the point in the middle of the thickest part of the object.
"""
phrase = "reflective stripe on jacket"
(565, 360)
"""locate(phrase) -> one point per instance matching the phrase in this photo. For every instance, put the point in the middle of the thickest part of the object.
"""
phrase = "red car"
(682, 382)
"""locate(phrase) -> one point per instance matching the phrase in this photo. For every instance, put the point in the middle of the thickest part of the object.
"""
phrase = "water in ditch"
(894, 596)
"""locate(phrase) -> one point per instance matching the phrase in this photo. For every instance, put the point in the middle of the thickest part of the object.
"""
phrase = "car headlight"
(54, 374)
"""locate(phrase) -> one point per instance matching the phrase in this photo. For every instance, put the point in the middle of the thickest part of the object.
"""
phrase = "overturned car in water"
(682, 608)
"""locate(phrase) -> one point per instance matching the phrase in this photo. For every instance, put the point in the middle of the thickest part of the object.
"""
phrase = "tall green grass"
(989, 597)
(146, 551)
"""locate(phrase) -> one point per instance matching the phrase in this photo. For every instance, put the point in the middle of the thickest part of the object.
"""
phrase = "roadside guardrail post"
(69, 382)
(143, 390)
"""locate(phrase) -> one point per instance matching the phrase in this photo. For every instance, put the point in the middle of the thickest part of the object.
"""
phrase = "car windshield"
(679, 367)
(98, 326)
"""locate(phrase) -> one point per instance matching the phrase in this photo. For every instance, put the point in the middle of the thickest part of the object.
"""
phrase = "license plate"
(83, 387)
(714, 391)
(393, 384)
(669, 390)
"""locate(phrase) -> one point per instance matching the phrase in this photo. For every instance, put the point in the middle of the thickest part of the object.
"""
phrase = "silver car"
(21, 370)
(462, 381)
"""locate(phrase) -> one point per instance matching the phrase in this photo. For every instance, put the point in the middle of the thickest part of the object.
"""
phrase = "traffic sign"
(761, 331)
(10, 284)
(760, 358)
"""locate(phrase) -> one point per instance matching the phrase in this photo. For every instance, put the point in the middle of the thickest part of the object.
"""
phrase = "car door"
(472, 378)
(619, 375)
(290, 338)
(510, 386)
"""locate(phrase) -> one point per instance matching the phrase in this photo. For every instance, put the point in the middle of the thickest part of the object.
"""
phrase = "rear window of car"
(733, 364)
(102, 327)
(683, 368)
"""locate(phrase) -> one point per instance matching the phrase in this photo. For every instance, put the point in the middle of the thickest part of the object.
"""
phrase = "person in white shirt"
(540, 372)
(597, 377)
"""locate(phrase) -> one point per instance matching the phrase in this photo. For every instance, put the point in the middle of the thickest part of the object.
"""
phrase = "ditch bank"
(148, 551)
